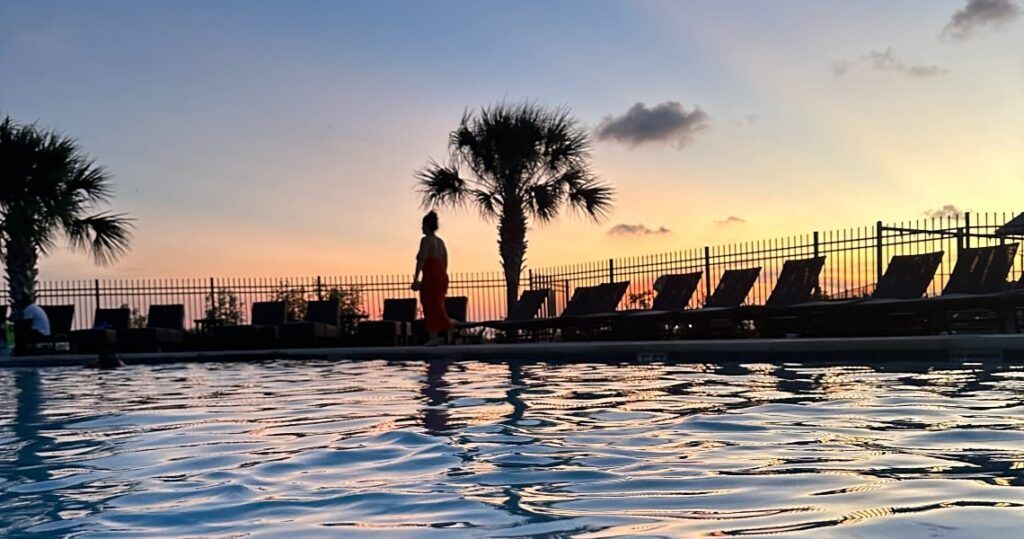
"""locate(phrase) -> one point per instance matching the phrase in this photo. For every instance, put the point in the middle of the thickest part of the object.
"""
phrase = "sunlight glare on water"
(474, 449)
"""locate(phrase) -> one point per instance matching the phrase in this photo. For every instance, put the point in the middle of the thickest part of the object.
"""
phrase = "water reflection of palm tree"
(435, 391)
(517, 383)
(29, 466)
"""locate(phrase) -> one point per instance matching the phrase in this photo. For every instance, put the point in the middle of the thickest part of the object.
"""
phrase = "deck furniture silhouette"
(165, 330)
(320, 326)
(976, 296)
(586, 300)
(262, 332)
(674, 292)
(61, 318)
(394, 327)
(525, 308)
(103, 334)
(906, 278)
(730, 292)
(796, 283)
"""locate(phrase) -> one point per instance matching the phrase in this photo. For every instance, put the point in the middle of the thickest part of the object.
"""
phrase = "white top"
(40, 322)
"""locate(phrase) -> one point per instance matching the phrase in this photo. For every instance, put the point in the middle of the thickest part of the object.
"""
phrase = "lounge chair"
(586, 300)
(797, 283)
(165, 329)
(103, 335)
(730, 292)
(320, 326)
(395, 326)
(977, 296)
(673, 295)
(526, 308)
(267, 317)
(61, 318)
(906, 278)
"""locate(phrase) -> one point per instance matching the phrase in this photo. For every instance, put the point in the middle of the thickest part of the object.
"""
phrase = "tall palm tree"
(513, 163)
(51, 190)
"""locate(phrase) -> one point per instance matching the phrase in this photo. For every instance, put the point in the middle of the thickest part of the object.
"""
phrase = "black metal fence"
(486, 291)
(855, 257)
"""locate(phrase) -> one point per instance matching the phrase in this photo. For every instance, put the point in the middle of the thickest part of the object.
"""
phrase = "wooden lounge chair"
(61, 318)
(730, 293)
(395, 326)
(586, 300)
(165, 329)
(976, 297)
(262, 332)
(320, 326)
(797, 283)
(673, 295)
(906, 278)
(526, 308)
(103, 335)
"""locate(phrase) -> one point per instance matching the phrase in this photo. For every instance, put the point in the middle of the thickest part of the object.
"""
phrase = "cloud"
(978, 14)
(666, 122)
(887, 61)
(731, 220)
(948, 211)
(747, 120)
(637, 230)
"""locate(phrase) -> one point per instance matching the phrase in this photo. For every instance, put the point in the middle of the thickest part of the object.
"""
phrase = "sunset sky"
(272, 138)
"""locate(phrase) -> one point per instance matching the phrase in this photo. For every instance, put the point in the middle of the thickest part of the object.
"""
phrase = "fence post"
(707, 272)
(213, 300)
(529, 279)
(879, 229)
(566, 283)
(967, 227)
(611, 270)
(319, 289)
(96, 282)
(816, 244)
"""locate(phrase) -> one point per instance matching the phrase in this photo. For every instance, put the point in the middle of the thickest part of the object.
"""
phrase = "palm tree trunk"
(512, 248)
(22, 267)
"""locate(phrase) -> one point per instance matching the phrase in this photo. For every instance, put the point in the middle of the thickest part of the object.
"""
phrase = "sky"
(281, 138)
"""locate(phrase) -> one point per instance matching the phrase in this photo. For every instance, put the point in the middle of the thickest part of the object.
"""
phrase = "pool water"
(532, 449)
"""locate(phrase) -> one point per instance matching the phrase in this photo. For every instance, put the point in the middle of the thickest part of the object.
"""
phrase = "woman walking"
(432, 262)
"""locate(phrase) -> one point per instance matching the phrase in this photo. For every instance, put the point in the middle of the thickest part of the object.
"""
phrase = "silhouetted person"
(432, 262)
(33, 327)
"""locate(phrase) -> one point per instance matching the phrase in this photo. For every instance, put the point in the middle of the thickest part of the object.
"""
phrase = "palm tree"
(51, 190)
(513, 163)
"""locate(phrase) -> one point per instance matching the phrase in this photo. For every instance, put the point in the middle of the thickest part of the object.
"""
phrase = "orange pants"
(433, 289)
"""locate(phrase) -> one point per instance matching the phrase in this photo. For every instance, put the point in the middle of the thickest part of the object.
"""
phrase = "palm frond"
(105, 236)
(440, 185)
(591, 198)
(545, 200)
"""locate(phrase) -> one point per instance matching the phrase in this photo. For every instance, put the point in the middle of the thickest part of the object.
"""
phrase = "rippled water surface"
(388, 449)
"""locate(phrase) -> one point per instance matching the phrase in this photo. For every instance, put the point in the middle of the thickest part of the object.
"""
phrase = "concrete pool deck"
(925, 348)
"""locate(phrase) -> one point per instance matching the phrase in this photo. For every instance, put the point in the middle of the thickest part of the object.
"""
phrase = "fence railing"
(855, 257)
(486, 292)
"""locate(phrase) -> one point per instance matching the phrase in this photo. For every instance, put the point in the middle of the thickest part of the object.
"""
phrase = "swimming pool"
(449, 449)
